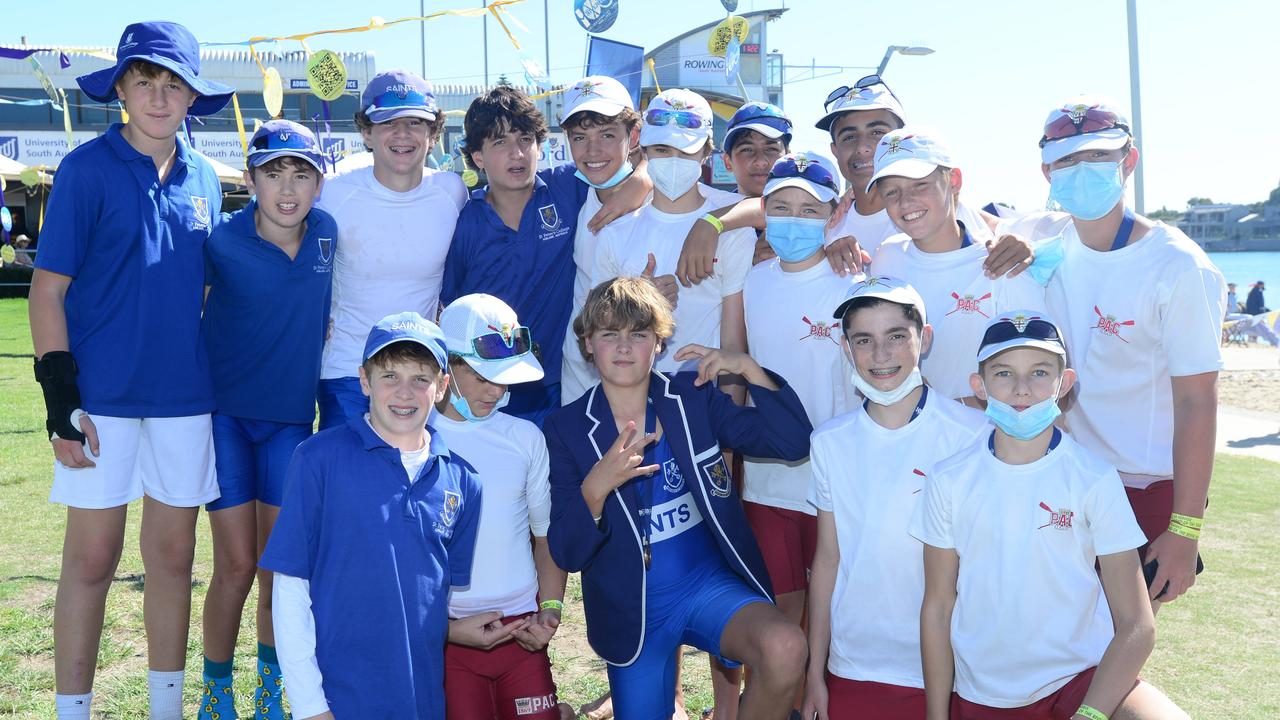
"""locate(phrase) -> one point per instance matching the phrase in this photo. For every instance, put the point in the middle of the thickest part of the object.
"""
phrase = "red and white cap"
(486, 333)
(1086, 122)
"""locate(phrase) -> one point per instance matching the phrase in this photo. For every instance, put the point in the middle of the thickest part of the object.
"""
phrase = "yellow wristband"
(714, 221)
(556, 605)
(1187, 521)
(1186, 532)
(1091, 713)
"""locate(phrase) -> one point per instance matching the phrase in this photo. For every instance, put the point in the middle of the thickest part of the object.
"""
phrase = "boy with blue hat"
(1035, 606)
(268, 270)
(1142, 308)
(395, 224)
(378, 522)
(115, 320)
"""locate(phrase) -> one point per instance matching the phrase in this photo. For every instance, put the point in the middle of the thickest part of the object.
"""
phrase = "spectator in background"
(22, 256)
(1255, 304)
(1233, 304)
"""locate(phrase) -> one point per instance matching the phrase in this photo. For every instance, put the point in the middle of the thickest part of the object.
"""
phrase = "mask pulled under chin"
(887, 397)
(463, 407)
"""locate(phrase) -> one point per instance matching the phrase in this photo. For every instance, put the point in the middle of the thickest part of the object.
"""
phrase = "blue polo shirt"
(134, 249)
(380, 554)
(530, 269)
(266, 316)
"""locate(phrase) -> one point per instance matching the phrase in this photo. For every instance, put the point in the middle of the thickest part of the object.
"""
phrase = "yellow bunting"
(326, 75)
(497, 12)
(654, 71)
(235, 104)
(721, 34)
(377, 23)
(273, 92)
(124, 116)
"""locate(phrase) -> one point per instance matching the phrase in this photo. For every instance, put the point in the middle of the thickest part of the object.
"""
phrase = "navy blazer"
(697, 422)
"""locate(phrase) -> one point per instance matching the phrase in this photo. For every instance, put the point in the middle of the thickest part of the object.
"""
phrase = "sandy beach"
(1251, 378)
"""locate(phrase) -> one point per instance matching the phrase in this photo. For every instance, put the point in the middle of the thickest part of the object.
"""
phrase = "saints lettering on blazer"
(698, 423)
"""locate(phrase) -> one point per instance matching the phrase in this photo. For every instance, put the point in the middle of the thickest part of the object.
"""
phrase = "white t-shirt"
(624, 248)
(510, 458)
(1133, 318)
(959, 299)
(576, 374)
(390, 256)
(871, 479)
(1030, 613)
(791, 332)
(1034, 226)
(872, 230)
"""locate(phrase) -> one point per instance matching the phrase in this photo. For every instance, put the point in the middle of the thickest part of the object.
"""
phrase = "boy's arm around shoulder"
(573, 536)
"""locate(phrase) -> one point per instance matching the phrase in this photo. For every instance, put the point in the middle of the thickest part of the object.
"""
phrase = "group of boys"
(182, 355)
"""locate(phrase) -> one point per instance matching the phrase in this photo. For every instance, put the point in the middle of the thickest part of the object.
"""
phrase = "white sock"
(73, 707)
(165, 690)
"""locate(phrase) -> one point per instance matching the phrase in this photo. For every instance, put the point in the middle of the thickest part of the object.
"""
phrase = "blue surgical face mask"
(623, 173)
(463, 407)
(1049, 254)
(794, 239)
(1026, 424)
(1087, 190)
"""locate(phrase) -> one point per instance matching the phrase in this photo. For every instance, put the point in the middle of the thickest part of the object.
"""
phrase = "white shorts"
(167, 459)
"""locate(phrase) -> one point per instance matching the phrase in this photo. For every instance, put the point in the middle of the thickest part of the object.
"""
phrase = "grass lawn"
(1216, 646)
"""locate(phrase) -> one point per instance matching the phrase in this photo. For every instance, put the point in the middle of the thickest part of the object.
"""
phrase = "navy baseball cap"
(766, 119)
(398, 93)
(280, 138)
(407, 327)
(1020, 328)
(172, 47)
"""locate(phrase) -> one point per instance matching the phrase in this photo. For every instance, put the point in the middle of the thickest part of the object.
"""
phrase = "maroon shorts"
(1152, 506)
(506, 682)
(865, 700)
(1061, 705)
(787, 539)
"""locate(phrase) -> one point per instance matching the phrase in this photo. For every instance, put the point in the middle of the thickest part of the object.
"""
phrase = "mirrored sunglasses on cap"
(680, 118)
(1093, 120)
(862, 84)
(757, 111)
(789, 167)
(410, 99)
(500, 346)
(1020, 328)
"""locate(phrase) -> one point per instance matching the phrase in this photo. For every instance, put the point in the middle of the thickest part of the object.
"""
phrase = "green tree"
(1199, 201)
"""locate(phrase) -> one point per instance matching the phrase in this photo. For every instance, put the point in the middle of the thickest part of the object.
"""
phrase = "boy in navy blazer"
(643, 505)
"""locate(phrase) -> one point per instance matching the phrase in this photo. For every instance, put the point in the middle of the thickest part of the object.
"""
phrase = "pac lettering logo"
(969, 305)
(9, 146)
(1109, 325)
(820, 329)
(449, 511)
(550, 216)
(1060, 518)
(718, 475)
(200, 210)
(672, 479)
(535, 705)
(326, 249)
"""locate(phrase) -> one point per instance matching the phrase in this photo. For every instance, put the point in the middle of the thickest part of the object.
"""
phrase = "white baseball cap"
(885, 288)
(486, 333)
(910, 152)
(596, 93)
(1086, 122)
(1020, 328)
(806, 170)
(869, 93)
(679, 118)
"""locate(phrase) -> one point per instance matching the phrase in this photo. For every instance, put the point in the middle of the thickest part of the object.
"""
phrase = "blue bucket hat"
(398, 93)
(279, 138)
(172, 47)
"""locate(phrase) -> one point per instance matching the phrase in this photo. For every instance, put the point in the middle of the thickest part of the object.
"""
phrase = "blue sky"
(1210, 117)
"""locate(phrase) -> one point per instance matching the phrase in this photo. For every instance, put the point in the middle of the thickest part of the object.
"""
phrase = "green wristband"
(1187, 521)
(1091, 713)
(556, 605)
(714, 221)
(1186, 532)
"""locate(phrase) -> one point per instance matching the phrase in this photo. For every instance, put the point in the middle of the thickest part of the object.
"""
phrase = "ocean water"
(1246, 268)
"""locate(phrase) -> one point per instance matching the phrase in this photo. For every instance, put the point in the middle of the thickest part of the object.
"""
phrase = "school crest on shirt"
(969, 305)
(717, 472)
(200, 213)
(1059, 519)
(449, 509)
(1109, 325)
(550, 216)
(326, 249)
(673, 480)
(820, 329)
